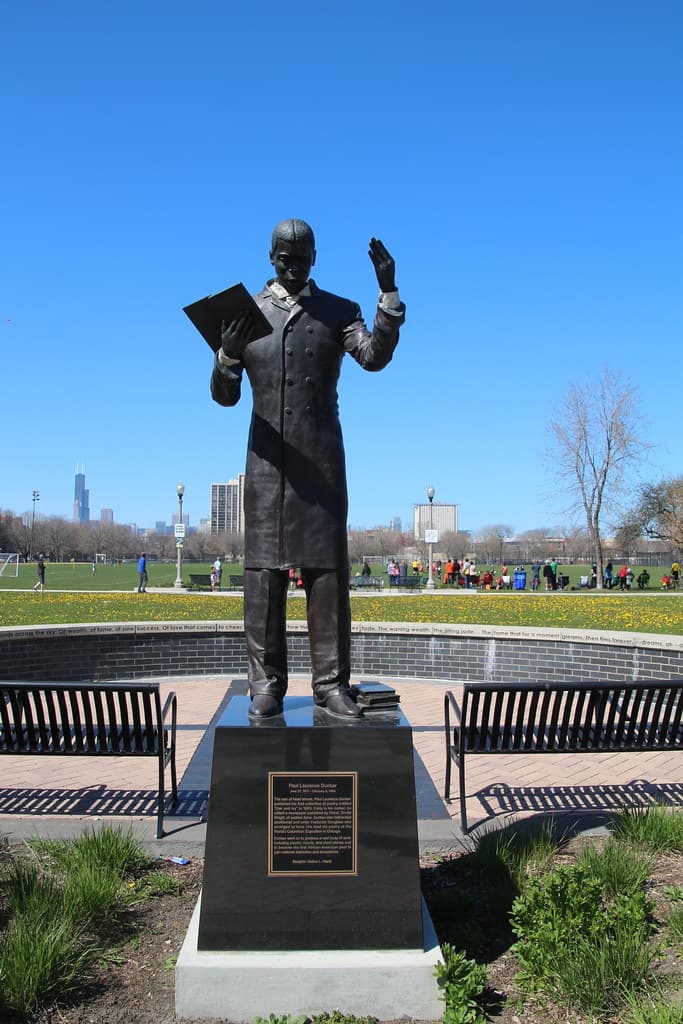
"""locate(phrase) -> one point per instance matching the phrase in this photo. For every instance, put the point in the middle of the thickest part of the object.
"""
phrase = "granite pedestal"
(311, 897)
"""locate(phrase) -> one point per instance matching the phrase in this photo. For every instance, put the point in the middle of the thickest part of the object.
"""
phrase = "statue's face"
(292, 262)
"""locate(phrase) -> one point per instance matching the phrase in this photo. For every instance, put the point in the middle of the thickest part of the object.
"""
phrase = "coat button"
(309, 410)
(309, 351)
(308, 380)
(309, 329)
(289, 351)
(288, 411)
(289, 382)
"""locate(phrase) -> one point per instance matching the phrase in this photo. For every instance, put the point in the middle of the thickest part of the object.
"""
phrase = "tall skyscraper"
(107, 515)
(443, 518)
(227, 506)
(81, 497)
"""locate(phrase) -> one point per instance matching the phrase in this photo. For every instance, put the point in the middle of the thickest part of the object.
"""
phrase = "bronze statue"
(295, 499)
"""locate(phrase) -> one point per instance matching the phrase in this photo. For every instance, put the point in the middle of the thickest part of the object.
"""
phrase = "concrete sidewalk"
(60, 797)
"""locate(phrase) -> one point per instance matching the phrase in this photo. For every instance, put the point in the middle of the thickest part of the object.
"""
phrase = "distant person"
(94, 567)
(643, 579)
(622, 574)
(675, 573)
(535, 575)
(40, 582)
(218, 570)
(142, 573)
(609, 576)
(366, 570)
(594, 577)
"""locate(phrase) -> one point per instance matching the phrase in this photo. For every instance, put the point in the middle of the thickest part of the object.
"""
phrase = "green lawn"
(79, 575)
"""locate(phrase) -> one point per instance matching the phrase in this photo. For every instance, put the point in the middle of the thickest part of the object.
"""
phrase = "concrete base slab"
(239, 986)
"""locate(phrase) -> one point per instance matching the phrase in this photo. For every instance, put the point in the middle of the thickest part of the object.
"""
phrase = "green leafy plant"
(461, 981)
(580, 945)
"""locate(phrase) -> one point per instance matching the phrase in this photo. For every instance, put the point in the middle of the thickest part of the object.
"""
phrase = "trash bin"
(520, 579)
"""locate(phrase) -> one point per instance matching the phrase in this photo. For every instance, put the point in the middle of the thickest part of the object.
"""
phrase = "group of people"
(453, 572)
(624, 577)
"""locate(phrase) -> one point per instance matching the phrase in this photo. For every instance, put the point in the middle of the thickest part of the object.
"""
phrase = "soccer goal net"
(9, 563)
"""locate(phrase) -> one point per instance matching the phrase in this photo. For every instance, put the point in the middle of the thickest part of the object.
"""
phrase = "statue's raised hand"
(236, 335)
(384, 265)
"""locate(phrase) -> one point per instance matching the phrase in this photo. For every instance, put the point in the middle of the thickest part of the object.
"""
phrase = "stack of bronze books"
(376, 697)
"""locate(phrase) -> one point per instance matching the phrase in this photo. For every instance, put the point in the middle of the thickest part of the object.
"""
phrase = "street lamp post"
(430, 495)
(180, 536)
(36, 497)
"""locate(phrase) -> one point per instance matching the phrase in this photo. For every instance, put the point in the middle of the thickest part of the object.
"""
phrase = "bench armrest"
(170, 704)
(449, 702)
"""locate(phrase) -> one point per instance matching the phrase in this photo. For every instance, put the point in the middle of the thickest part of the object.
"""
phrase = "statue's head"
(292, 253)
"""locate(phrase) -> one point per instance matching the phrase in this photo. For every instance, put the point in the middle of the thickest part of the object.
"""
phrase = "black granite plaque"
(312, 823)
(257, 895)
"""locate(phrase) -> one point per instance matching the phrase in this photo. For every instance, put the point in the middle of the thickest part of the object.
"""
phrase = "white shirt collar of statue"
(281, 293)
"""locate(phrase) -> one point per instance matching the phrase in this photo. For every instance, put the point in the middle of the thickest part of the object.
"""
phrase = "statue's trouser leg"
(329, 629)
(265, 618)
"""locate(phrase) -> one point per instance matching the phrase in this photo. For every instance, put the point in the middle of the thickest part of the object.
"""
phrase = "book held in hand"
(210, 313)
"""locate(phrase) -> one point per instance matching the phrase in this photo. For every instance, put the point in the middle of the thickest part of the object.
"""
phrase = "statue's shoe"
(264, 705)
(340, 705)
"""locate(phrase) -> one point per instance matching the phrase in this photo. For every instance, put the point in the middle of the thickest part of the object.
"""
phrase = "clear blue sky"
(522, 161)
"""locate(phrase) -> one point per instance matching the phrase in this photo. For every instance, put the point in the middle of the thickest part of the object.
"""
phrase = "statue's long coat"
(295, 500)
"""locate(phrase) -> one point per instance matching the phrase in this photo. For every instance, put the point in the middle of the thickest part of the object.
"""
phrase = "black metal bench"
(410, 583)
(366, 583)
(560, 718)
(200, 580)
(91, 719)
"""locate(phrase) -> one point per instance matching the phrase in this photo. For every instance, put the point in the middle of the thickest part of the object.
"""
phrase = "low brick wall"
(111, 651)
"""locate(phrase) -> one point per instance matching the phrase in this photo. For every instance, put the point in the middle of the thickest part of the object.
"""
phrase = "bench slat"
(125, 737)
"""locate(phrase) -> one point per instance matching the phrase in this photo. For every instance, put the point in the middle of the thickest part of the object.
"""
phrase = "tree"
(490, 540)
(596, 444)
(657, 514)
(455, 543)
